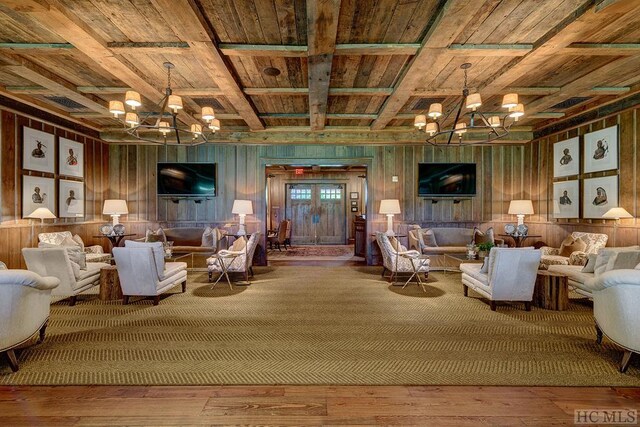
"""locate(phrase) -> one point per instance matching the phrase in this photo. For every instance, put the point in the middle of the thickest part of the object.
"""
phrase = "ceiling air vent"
(570, 102)
(423, 104)
(66, 102)
(209, 102)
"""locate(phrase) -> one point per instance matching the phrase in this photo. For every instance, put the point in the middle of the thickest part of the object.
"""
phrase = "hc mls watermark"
(605, 416)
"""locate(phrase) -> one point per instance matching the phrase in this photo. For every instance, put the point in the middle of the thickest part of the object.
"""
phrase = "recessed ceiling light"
(271, 71)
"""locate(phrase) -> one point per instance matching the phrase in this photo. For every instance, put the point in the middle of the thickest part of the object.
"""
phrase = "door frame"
(367, 162)
(345, 209)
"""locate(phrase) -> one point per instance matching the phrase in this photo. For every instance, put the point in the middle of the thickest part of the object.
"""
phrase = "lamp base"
(241, 230)
(520, 219)
(389, 231)
(115, 219)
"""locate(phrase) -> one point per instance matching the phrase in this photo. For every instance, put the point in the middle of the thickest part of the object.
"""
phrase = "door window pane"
(300, 194)
(330, 193)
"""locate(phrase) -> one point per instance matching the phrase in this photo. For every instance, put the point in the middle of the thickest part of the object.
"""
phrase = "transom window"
(300, 194)
(331, 193)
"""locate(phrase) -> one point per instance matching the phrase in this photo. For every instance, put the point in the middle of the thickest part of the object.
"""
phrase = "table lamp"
(242, 208)
(390, 207)
(115, 208)
(42, 214)
(520, 208)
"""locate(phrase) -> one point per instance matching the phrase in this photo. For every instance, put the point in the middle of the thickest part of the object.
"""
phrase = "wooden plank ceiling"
(330, 71)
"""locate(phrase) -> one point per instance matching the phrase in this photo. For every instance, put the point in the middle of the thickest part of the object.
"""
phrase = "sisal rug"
(317, 325)
(314, 253)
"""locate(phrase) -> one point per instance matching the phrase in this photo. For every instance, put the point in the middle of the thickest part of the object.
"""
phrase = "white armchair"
(594, 242)
(510, 276)
(229, 261)
(615, 308)
(55, 262)
(143, 271)
(394, 261)
(25, 300)
(93, 253)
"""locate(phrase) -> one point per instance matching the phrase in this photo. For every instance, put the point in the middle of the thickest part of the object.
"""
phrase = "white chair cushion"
(156, 248)
(172, 268)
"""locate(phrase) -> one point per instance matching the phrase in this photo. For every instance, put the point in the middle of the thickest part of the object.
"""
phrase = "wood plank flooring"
(304, 405)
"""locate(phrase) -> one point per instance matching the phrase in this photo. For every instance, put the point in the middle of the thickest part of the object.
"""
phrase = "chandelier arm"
(456, 120)
(175, 127)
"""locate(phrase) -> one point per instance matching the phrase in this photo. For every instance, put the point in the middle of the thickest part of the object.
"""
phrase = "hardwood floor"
(304, 405)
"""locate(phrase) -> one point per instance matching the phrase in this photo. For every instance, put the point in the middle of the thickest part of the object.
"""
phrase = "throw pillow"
(210, 237)
(155, 236)
(75, 252)
(79, 241)
(591, 264)
(239, 244)
(605, 254)
(485, 265)
(156, 248)
(427, 236)
(486, 237)
(623, 260)
(570, 245)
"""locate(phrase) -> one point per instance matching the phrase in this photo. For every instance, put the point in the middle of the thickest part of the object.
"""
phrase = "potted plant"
(484, 248)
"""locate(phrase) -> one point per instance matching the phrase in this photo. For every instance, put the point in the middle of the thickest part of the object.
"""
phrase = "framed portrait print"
(38, 192)
(566, 199)
(354, 195)
(601, 150)
(599, 195)
(354, 209)
(71, 201)
(71, 158)
(566, 158)
(354, 203)
(38, 150)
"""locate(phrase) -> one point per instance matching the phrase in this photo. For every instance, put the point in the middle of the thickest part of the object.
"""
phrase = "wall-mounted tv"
(446, 179)
(186, 179)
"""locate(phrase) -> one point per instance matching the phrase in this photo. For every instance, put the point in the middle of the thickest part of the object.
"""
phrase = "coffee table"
(196, 261)
(551, 291)
(457, 259)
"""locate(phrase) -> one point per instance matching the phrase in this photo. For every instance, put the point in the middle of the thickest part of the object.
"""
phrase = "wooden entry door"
(317, 213)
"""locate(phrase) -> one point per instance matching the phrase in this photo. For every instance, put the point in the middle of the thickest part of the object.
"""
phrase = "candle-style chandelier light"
(469, 119)
(155, 126)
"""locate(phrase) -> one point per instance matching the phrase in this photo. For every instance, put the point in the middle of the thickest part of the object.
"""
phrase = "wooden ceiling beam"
(452, 17)
(490, 49)
(191, 26)
(602, 49)
(29, 90)
(56, 84)
(271, 50)
(322, 27)
(55, 17)
(304, 136)
(381, 49)
(276, 91)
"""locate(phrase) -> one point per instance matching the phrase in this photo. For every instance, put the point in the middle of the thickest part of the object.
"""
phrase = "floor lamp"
(616, 214)
(41, 214)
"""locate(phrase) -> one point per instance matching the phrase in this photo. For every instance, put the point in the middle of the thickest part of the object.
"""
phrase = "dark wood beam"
(322, 27)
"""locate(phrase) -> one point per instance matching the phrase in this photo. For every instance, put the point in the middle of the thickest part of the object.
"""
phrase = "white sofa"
(93, 253)
(143, 271)
(510, 276)
(615, 307)
(55, 262)
(584, 283)
(25, 300)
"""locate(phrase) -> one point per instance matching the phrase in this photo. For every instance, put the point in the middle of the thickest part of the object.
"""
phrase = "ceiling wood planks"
(303, 68)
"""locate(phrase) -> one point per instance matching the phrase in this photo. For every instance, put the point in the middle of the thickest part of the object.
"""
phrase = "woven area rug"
(317, 325)
(314, 253)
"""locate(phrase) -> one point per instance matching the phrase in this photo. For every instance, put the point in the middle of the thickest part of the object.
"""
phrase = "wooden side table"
(110, 284)
(551, 291)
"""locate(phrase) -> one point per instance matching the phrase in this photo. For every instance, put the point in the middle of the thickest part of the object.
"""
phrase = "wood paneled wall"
(17, 233)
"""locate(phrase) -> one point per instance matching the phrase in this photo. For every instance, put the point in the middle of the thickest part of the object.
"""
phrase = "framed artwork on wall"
(38, 150)
(566, 158)
(38, 192)
(601, 150)
(566, 199)
(71, 201)
(354, 203)
(599, 195)
(354, 195)
(354, 209)
(71, 158)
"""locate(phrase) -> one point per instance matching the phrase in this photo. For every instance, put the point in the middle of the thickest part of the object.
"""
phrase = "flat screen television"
(186, 179)
(446, 179)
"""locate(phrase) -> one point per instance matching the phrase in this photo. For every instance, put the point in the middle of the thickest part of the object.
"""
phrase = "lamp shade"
(175, 103)
(617, 213)
(435, 110)
(41, 213)
(420, 121)
(214, 125)
(390, 206)
(521, 207)
(116, 108)
(510, 100)
(474, 101)
(132, 98)
(242, 207)
(431, 128)
(208, 114)
(115, 207)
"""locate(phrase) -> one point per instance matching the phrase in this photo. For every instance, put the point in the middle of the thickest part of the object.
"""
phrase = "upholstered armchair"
(93, 253)
(394, 261)
(56, 262)
(143, 271)
(279, 236)
(234, 261)
(25, 300)
(615, 308)
(552, 256)
(508, 275)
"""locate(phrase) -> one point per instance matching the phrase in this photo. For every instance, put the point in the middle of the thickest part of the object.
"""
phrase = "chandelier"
(155, 126)
(469, 119)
